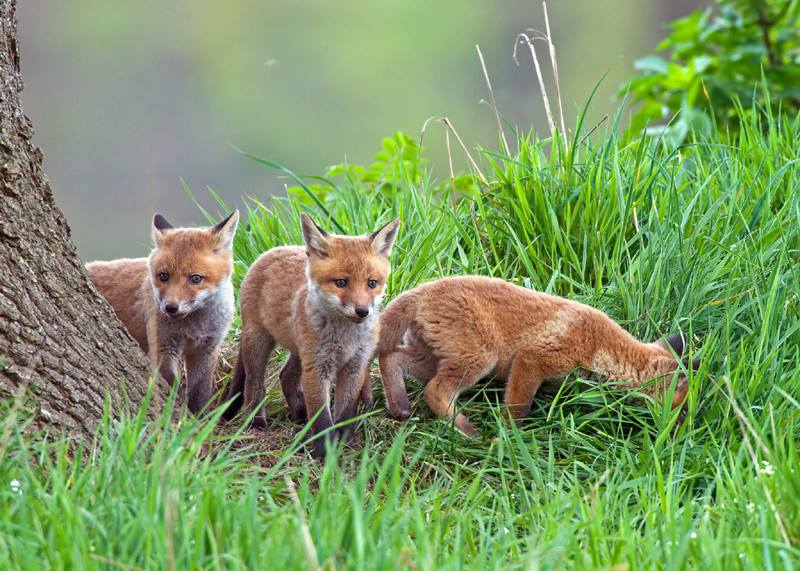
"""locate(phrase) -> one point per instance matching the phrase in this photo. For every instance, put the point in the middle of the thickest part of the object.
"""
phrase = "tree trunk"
(60, 343)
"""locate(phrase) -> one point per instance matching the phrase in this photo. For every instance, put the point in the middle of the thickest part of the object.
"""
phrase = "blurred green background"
(127, 98)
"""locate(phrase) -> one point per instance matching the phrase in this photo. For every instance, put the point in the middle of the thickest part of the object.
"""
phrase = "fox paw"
(297, 414)
(347, 435)
(259, 423)
(400, 414)
(317, 449)
(465, 426)
(367, 403)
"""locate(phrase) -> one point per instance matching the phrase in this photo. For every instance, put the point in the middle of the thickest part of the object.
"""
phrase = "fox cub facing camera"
(320, 302)
(459, 329)
(178, 302)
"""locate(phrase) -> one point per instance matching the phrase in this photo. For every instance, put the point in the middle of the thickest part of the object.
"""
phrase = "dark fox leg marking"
(290, 384)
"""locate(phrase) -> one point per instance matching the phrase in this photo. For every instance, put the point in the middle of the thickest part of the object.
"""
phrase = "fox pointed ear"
(675, 342)
(226, 230)
(316, 238)
(383, 238)
(160, 225)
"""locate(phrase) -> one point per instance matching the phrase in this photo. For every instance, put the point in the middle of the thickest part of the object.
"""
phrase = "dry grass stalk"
(552, 48)
(449, 126)
(494, 102)
(523, 38)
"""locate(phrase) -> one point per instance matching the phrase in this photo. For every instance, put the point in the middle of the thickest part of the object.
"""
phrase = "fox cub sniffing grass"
(178, 302)
(320, 302)
(460, 329)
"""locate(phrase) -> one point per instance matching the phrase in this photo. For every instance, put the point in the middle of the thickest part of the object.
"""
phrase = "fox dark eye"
(163, 276)
(195, 279)
(372, 284)
(341, 283)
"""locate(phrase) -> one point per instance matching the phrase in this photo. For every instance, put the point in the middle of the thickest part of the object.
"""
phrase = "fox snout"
(175, 309)
(178, 308)
(360, 311)
(357, 312)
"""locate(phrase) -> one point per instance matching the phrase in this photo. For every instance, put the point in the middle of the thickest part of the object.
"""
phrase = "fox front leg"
(367, 399)
(417, 360)
(168, 365)
(349, 384)
(290, 384)
(163, 354)
(199, 379)
(316, 385)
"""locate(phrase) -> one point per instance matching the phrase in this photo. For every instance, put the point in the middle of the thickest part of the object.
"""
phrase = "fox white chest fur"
(340, 340)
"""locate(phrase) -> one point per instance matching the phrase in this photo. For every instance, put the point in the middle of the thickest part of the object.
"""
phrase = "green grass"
(702, 238)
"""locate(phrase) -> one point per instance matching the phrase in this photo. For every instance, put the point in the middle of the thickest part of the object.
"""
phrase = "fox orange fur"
(320, 302)
(178, 302)
(460, 329)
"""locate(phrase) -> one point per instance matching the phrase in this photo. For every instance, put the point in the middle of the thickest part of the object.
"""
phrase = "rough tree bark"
(60, 343)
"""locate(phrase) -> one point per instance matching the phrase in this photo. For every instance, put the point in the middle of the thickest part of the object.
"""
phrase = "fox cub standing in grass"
(320, 303)
(177, 303)
(460, 329)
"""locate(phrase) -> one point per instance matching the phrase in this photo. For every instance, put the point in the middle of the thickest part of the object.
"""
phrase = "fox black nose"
(362, 311)
(171, 308)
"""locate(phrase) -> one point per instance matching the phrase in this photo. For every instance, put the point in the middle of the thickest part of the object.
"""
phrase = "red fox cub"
(460, 329)
(177, 303)
(320, 302)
